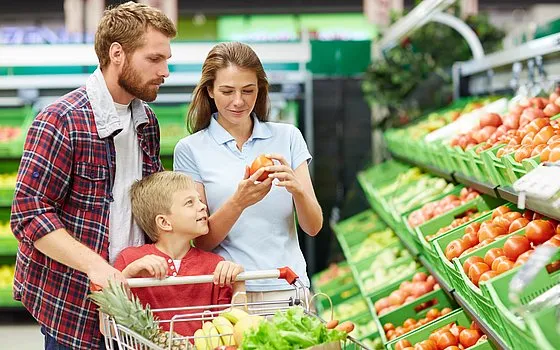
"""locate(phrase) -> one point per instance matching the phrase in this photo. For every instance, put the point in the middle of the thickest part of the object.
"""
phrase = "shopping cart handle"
(287, 274)
(284, 273)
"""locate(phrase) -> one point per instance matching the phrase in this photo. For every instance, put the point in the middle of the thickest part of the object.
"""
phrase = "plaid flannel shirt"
(65, 180)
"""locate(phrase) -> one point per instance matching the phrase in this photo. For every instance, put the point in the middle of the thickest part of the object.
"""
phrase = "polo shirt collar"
(221, 135)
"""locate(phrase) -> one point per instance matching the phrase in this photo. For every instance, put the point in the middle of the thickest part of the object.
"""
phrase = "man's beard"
(131, 82)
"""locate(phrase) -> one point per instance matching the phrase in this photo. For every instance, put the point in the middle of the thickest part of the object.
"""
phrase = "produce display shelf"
(492, 336)
(505, 193)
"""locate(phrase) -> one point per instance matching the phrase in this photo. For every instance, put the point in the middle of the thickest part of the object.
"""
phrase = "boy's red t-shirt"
(196, 262)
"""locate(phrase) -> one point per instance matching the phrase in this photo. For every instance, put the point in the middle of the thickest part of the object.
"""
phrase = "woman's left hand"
(284, 173)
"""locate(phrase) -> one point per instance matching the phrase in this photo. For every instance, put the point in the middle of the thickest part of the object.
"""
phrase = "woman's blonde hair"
(152, 196)
(126, 24)
(222, 56)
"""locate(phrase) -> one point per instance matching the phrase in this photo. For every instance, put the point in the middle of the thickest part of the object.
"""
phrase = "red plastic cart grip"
(287, 274)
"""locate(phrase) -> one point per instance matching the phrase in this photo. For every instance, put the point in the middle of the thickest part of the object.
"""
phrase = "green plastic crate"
(338, 296)
(6, 298)
(455, 191)
(538, 331)
(481, 203)
(366, 221)
(365, 319)
(8, 246)
(21, 117)
(398, 316)
(356, 305)
(514, 170)
(364, 265)
(474, 295)
(172, 124)
(335, 283)
(478, 168)
(423, 333)
(389, 288)
(440, 243)
(495, 168)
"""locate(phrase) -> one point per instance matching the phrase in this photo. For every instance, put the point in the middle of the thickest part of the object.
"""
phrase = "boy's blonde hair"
(152, 196)
(126, 24)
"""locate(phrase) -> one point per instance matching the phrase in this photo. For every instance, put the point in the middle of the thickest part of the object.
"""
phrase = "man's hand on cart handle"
(99, 277)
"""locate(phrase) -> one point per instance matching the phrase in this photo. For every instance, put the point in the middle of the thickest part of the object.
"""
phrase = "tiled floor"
(21, 337)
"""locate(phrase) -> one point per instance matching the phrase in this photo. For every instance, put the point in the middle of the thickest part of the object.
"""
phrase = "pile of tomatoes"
(503, 222)
(515, 252)
(434, 209)
(449, 337)
(411, 324)
(408, 291)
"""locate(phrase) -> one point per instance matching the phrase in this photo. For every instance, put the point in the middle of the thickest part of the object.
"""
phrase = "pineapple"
(113, 301)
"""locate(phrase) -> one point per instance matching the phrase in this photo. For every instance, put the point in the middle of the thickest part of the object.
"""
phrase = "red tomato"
(470, 239)
(515, 246)
(447, 339)
(475, 271)
(454, 249)
(259, 162)
(402, 344)
(472, 227)
(518, 224)
(490, 231)
(492, 254)
(497, 262)
(539, 231)
(470, 261)
(487, 275)
(502, 209)
(469, 337)
(445, 311)
(505, 266)
(433, 314)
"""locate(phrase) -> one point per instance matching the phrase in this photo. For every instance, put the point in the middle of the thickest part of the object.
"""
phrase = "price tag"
(542, 183)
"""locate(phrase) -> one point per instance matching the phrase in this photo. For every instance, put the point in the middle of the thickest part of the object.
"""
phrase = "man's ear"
(116, 53)
(210, 92)
(163, 223)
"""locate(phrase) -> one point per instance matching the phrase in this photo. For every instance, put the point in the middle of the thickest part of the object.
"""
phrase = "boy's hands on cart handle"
(226, 272)
(147, 266)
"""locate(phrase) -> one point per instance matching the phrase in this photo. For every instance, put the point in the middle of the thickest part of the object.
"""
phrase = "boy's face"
(188, 214)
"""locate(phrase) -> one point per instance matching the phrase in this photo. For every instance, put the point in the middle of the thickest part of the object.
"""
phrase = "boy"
(167, 207)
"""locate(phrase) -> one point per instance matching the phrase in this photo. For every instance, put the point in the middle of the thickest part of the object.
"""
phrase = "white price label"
(541, 183)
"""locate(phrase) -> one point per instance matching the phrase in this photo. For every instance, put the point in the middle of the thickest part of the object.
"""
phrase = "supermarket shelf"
(477, 185)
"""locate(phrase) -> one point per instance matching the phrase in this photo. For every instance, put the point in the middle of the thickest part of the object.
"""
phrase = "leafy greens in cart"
(292, 329)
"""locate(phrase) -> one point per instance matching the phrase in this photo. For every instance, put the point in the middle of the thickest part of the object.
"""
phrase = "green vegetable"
(292, 329)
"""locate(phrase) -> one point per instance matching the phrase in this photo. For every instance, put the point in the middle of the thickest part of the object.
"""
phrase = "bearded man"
(71, 212)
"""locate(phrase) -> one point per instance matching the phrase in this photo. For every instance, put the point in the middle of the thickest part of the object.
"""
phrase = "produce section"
(464, 240)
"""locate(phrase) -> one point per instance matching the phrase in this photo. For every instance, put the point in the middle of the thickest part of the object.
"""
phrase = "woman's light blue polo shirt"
(264, 237)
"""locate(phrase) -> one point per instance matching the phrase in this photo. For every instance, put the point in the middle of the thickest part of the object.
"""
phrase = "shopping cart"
(120, 337)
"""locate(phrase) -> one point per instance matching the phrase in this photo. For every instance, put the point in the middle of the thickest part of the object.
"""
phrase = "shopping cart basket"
(120, 337)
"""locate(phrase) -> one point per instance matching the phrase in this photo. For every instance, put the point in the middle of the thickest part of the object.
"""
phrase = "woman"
(251, 223)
